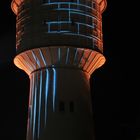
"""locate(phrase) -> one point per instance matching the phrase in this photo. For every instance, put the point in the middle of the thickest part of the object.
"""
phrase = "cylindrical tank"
(46, 23)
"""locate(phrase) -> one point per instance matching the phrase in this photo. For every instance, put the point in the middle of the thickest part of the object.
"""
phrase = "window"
(61, 106)
(71, 106)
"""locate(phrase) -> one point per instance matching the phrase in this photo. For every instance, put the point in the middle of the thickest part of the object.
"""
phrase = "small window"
(61, 106)
(71, 106)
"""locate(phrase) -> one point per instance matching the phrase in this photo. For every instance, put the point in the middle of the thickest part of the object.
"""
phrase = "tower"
(59, 45)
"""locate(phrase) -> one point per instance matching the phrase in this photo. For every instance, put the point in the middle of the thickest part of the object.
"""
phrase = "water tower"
(59, 45)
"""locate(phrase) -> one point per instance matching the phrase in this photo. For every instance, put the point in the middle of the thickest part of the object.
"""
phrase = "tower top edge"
(15, 4)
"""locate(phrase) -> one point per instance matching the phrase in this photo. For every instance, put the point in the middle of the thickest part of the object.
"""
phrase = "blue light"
(59, 54)
(48, 26)
(76, 12)
(75, 56)
(31, 99)
(69, 14)
(59, 5)
(69, 9)
(55, 22)
(69, 3)
(42, 57)
(46, 94)
(54, 88)
(79, 35)
(91, 26)
(59, 31)
(78, 28)
(69, 22)
(67, 56)
(69, 32)
(40, 93)
(34, 121)
(36, 59)
(79, 13)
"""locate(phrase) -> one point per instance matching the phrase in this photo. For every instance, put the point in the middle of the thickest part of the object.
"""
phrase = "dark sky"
(113, 100)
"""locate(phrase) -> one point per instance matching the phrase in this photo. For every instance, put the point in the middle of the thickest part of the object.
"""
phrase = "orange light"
(15, 4)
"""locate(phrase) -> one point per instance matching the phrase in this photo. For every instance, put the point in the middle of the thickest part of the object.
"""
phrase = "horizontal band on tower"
(60, 57)
(15, 4)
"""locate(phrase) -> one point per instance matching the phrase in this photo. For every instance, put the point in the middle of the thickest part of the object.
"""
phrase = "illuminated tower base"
(59, 45)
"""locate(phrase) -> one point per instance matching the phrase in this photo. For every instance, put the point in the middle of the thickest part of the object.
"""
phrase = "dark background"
(112, 95)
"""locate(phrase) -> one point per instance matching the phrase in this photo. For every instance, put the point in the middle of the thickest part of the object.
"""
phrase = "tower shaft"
(59, 100)
(60, 108)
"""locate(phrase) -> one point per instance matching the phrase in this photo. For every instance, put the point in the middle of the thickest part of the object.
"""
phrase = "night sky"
(113, 100)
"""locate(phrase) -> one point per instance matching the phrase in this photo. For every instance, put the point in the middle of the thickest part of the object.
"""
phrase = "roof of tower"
(16, 3)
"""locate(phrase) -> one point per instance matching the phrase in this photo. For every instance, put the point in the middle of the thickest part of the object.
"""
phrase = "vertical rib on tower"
(59, 45)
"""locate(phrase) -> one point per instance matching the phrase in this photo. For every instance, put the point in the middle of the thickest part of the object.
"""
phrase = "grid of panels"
(74, 17)
(72, 13)
(79, 18)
